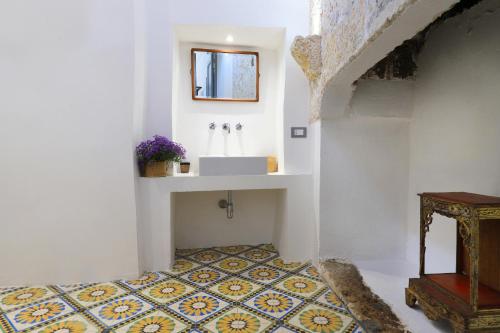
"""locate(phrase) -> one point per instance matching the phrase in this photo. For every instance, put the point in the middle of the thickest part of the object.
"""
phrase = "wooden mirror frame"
(193, 66)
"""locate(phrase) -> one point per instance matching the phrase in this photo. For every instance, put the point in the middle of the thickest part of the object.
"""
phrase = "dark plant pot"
(142, 170)
(185, 167)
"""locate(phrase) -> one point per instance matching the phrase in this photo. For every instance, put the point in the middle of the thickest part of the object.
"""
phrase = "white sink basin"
(232, 165)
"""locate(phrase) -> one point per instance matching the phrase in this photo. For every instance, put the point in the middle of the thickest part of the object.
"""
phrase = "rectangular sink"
(232, 165)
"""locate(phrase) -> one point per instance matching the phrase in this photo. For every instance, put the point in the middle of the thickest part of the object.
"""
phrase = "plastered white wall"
(316, 189)
(259, 119)
(162, 16)
(455, 131)
(364, 173)
(383, 98)
(199, 222)
(67, 208)
(364, 163)
(364, 184)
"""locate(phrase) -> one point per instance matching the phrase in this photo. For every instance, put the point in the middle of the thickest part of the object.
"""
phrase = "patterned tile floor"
(238, 289)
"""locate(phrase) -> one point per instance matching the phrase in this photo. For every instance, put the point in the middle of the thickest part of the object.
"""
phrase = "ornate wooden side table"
(470, 297)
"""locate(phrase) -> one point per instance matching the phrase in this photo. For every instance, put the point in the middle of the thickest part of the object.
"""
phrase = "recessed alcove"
(200, 223)
(262, 132)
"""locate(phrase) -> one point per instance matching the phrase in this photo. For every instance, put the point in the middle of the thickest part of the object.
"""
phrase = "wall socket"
(299, 132)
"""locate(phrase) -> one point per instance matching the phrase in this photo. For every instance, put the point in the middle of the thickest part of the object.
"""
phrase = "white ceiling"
(269, 38)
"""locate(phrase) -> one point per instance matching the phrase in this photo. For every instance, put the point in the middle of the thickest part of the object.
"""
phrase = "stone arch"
(355, 36)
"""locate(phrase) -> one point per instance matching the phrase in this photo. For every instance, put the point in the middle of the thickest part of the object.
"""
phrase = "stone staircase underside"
(355, 35)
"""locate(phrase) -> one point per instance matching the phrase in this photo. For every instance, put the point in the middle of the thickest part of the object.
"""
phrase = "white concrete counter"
(190, 182)
(294, 230)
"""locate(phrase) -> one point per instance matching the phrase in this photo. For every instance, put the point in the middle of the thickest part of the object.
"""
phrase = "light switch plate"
(299, 132)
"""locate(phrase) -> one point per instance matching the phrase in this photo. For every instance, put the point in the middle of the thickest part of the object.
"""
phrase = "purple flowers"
(159, 149)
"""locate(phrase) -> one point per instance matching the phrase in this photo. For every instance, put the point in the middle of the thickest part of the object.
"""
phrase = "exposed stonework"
(307, 52)
(369, 309)
(349, 28)
(401, 63)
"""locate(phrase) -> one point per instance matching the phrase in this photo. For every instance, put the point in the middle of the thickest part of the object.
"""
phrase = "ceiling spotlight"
(229, 38)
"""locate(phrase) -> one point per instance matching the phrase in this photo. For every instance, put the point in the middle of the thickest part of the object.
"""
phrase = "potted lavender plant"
(156, 156)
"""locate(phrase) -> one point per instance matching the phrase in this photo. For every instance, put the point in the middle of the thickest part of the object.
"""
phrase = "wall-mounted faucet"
(226, 127)
(211, 126)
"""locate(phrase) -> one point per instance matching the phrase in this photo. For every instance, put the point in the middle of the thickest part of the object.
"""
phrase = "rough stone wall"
(346, 28)
(401, 63)
(244, 76)
(307, 53)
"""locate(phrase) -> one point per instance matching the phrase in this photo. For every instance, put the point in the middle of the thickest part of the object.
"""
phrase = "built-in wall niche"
(261, 133)
(199, 221)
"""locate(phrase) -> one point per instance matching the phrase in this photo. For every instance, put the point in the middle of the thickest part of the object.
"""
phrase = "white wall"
(162, 16)
(364, 186)
(383, 98)
(259, 120)
(199, 222)
(364, 173)
(455, 131)
(67, 209)
(316, 184)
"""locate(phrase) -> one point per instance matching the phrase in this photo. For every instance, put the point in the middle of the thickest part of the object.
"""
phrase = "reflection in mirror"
(225, 75)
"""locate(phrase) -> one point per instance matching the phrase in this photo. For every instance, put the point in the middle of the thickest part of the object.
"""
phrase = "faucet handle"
(239, 126)
(211, 126)
(226, 127)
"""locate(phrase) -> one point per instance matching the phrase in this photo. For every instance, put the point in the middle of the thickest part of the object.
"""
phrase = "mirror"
(224, 75)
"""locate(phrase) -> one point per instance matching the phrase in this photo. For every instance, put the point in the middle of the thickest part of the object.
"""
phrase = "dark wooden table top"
(463, 198)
